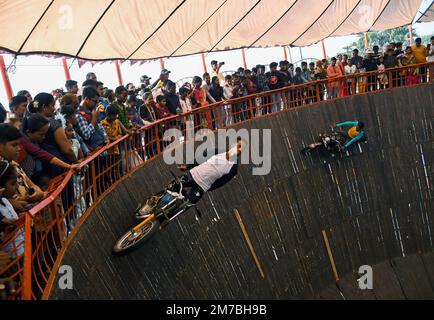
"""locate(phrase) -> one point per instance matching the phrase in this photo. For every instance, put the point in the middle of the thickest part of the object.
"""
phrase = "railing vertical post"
(284, 99)
(251, 108)
(26, 294)
(431, 72)
(219, 115)
(157, 139)
(391, 79)
(93, 179)
(59, 218)
(127, 156)
(317, 89)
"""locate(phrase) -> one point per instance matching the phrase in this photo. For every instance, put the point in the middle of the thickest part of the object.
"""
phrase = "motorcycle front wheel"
(131, 240)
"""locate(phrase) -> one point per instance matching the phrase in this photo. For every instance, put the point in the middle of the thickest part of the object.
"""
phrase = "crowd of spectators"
(51, 133)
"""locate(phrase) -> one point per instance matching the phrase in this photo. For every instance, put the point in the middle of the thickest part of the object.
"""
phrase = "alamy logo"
(366, 280)
(66, 278)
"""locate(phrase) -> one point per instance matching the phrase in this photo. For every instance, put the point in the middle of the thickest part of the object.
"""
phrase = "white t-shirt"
(7, 211)
(350, 70)
(218, 75)
(185, 105)
(75, 147)
(430, 54)
(228, 91)
(211, 170)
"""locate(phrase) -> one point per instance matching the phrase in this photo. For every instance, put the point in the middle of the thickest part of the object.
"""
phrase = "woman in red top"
(342, 62)
(199, 94)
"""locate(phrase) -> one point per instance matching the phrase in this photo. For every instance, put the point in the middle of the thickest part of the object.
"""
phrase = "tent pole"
(162, 63)
(285, 56)
(244, 58)
(410, 30)
(118, 72)
(5, 77)
(366, 41)
(65, 69)
(323, 49)
(204, 62)
(290, 55)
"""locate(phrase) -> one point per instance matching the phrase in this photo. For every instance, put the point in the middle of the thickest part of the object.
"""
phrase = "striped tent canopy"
(149, 29)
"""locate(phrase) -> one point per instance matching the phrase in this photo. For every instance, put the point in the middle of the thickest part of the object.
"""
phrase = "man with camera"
(215, 65)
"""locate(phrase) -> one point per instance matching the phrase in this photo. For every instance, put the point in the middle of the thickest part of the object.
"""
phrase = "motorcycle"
(332, 143)
(157, 212)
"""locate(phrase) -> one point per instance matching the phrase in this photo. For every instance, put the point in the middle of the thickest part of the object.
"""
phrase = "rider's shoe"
(142, 214)
(144, 211)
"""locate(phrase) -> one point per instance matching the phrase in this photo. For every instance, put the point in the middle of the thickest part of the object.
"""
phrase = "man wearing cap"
(420, 53)
(162, 80)
(71, 86)
(370, 64)
(91, 76)
(144, 80)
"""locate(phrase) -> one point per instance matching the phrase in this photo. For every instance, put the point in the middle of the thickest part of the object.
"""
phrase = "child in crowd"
(382, 77)
(114, 130)
(77, 180)
(362, 81)
(13, 241)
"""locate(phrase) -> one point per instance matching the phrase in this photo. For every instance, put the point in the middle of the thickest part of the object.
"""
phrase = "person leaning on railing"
(420, 53)
(55, 141)
(14, 245)
(28, 192)
(31, 154)
(88, 126)
(390, 61)
(333, 72)
(411, 74)
(430, 51)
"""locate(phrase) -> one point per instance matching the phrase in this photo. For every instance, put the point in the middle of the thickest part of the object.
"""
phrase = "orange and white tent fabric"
(148, 29)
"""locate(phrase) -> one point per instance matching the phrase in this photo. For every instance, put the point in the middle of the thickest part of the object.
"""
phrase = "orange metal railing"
(36, 241)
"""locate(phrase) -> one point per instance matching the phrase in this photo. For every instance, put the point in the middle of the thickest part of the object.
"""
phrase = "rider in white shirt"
(200, 178)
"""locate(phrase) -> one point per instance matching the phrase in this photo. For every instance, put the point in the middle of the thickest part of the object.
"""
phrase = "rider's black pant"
(193, 192)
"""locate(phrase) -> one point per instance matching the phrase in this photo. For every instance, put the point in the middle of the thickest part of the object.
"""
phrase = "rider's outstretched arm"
(347, 123)
(355, 139)
(225, 179)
